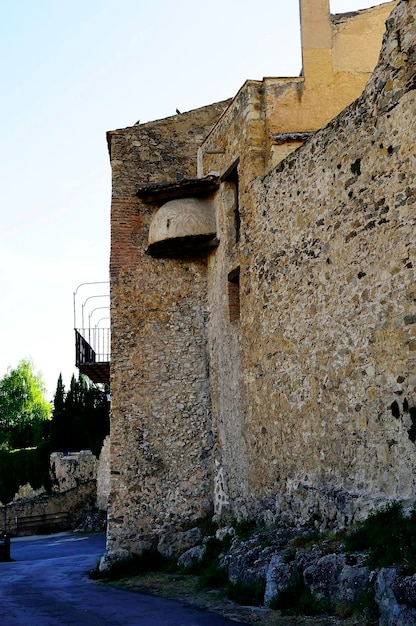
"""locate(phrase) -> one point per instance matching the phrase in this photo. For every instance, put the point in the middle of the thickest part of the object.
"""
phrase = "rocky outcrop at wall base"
(395, 595)
(340, 582)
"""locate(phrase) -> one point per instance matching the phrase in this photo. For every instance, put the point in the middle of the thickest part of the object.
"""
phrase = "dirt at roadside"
(186, 588)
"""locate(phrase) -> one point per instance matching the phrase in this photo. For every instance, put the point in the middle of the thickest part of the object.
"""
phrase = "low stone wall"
(74, 502)
(68, 471)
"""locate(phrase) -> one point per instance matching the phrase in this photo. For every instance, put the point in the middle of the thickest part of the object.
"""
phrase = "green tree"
(58, 422)
(80, 417)
(24, 412)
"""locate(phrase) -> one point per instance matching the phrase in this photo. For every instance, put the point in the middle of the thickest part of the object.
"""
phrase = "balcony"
(92, 353)
(92, 336)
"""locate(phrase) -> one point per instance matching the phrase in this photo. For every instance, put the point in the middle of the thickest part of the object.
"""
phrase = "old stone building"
(263, 300)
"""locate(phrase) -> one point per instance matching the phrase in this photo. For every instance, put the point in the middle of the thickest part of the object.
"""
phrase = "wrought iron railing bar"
(92, 350)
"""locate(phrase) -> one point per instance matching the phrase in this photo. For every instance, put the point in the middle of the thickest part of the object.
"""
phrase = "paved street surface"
(47, 585)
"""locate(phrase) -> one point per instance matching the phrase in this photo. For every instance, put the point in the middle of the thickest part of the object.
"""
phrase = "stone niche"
(181, 224)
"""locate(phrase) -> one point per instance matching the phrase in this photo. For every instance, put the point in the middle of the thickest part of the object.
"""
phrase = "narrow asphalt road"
(47, 585)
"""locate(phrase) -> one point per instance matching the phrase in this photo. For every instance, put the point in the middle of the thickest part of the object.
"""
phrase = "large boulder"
(392, 593)
(192, 557)
(172, 545)
(333, 579)
(281, 574)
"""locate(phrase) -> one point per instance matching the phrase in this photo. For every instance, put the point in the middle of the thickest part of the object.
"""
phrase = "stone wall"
(73, 503)
(70, 470)
(273, 375)
(103, 476)
(328, 309)
(161, 441)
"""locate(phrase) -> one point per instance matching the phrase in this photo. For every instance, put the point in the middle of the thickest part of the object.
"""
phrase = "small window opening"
(234, 295)
(231, 176)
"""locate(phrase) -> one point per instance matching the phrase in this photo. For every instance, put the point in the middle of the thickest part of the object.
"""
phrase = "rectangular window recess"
(231, 176)
(234, 295)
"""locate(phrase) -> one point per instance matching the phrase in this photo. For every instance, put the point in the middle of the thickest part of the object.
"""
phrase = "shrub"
(299, 600)
(388, 536)
(18, 467)
(245, 529)
(251, 594)
(149, 561)
(211, 573)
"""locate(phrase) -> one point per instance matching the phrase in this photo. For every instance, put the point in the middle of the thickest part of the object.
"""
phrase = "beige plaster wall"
(338, 53)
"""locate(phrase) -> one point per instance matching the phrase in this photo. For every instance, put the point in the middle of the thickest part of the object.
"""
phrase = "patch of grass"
(149, 561)
(246, 594)
(366, 607)
(299, 600)
(211, 573)
(244, 529)
(388, 536)
(307, 539)
(213, 577)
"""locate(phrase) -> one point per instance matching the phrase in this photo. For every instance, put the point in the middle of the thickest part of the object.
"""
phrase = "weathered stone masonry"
(328, 333)
(161, 420)
(268, 369)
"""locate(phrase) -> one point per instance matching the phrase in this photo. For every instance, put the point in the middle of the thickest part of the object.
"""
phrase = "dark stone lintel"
(280, 138)
(182, 247)
(188, 187)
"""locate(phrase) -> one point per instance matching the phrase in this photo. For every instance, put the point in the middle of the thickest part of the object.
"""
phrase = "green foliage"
(80, 421)
(24, 412)
(248, 594)
(306, 539)
(299, 600)
(210, 571)
(80, 417)
(388, 536)
(136, 565)
(244, 529)
(366, 607)
(19, 467)
(207, 526)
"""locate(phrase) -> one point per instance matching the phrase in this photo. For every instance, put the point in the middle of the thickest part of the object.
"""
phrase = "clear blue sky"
(70, 71)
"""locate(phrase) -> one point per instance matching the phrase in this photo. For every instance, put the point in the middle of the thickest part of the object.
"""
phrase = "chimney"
(315, 28)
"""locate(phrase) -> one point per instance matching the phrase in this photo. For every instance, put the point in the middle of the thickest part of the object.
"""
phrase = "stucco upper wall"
(357, 38)
(338, 52)
(354, 38)
(339, 55)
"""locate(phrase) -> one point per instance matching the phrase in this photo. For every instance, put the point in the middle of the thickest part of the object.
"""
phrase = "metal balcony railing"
(92, 353)
(92, 342)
